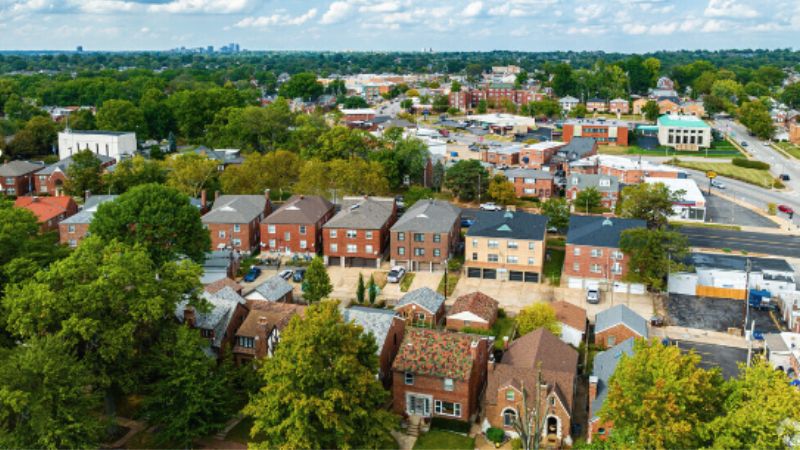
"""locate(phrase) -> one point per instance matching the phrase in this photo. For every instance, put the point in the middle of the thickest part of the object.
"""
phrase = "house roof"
(274, 288)
(222, 306)
(429, 216)
(596, 100)
(301, 209)
(733, 262)
(236, 209)
(223, 283)
(424, 297)
(477, 303)
(436, 353)
(98, 132)
(588, 180)
(577, 147)
(17, 168)
(66, 162)
(45, 208)
(599, 231)
(620, 314)
(372, 320)
(560, 383)
(568, 99)
(527, 173)
(266, 315)
(569, 314)
(370, 213)
(605, 363)
(507, 224)
(89, 208)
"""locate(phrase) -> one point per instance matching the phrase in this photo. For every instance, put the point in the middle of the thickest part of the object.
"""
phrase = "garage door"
(473, 272)
(490, 274)
(514, 276)
(575, 283)
(334, 260)
(531, 277)
(360, 262)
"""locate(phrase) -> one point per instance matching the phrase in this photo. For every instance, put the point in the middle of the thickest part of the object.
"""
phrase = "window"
(73, 243)
(272, 243)
(287, 236)
(246, 342)
(303, 244)
(351, 234)
(474, 242)
(531, 261)
(493, 257)
(474, 256)
(401, 251)
(419, 237)
(368, 234)
(616, 255)
(237, 228)
(437, 237)
(509, 417)
(447, 408)
(530, 191)
(71, 228)
(596, 252)
(512, 259)
(595, 268)
(419, 251)
(552, 401)
(494, 244)
(531, 245)
(401, 236)
(271, 230)
(221, 234)
(576, 251)
(368, 248)
(237, 242)
(302, 229)
(419, 317)
(512, 244)
(611, 341)
(205, 333)
(449, 385)
(616, 268)
(352, 248)
(576, 267)
(437, 252)
(510, 395)
(409, 378)
(529, 181)
(332, 233)
(334, 248)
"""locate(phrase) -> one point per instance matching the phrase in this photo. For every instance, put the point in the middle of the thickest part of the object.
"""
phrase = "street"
(737, 241)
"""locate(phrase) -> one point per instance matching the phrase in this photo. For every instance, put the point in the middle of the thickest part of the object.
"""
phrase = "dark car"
(299, 275)
(785, 177)
(466, 223)
(252, 274)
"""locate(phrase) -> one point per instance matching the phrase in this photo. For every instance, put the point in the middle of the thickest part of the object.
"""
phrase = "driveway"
(345, 281)
(715, 314)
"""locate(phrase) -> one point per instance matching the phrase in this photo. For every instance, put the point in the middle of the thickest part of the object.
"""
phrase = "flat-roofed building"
(683, 132)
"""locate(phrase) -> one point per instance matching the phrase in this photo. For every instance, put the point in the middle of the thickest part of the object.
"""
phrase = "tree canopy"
(538, 315)
(467, 179)
(649, 201)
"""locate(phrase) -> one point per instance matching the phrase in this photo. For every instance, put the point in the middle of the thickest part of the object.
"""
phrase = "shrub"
(495, 435)
(750, 164)
(450, 425)
(454, 265)
(772, 209)
(516, 444)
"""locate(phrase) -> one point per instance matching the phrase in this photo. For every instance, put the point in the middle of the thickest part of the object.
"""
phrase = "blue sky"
(532, 25)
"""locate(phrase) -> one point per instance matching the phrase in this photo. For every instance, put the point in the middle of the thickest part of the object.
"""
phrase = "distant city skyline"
(403, 25)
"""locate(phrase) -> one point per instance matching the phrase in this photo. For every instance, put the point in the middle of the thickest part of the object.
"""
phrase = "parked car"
(466, 223)
(785, 209)
(593, 296)
(286, 274)
(785, 177)
(396, 274)
(490, 206)
(744, 143)
(718, 184)
(299, 275)
(252, 274)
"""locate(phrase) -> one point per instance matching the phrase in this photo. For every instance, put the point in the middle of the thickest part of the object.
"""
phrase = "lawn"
(405, 283)
(452, 280)
(553, 265)
(789, 148)
(444, 440)
(503, 326)
(753, 176)
(719, 149)
(706, 225)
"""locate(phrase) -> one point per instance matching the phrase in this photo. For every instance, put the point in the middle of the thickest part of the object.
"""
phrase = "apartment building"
(234, 221)
(531, 183)
(358, 235)
(605, 132)
(426, 235)
(16, 177)
(537, 156)
(296, 227)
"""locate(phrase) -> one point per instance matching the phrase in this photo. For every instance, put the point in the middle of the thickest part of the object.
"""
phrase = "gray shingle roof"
(425, 297)
(605, 363)
(528, 173)
(375, 321)
(577, 148)
(300, 209)
(599, 231)
(588, 180)
(222, 306)
(506, 224)
(429, 216)
(369, 213)
(274, 288)
(620, 314)
(89, 208)
(17, 168)
(236, 209)
(66, 162)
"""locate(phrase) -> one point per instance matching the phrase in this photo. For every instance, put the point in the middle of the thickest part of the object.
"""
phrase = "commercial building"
(114, 144)
(688, 133)
(691, 206)
(604, 131)
(627, 171)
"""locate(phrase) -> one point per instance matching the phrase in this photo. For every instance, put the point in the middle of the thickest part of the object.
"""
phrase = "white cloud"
(200, 6)
(276, 19)
(473, 9)
(729, 8)
(589, 12)
(714, 26)
(301, 19)
(382, 7)
(337, 11)
(635, 29)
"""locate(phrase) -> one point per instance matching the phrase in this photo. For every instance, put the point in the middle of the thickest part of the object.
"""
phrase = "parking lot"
(726, 358)
(722, 211)
(715, 314)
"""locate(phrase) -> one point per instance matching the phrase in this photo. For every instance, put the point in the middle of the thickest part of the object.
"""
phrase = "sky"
(407, 25)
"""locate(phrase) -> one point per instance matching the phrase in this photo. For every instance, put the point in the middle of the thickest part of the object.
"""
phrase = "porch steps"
(413, 426)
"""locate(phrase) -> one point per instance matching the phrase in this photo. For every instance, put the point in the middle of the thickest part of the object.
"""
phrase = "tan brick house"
(426, 235)
(439, 374)
(473, 310)
(234, 220)
(619, 106)
(358, 235)
(421, 307)
(534, 354)
(387, 328)
(74, 229)
(296, 227)
(617, 324)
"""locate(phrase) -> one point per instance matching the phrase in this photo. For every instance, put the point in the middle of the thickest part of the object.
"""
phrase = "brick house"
(619, 106)
(358, 235)
(387, 328)
(506, 245)
(275, 289)
(606, 185)
(259, 333)
(578, 148)
(693, 108)
(439, 374)
(426, 235)
(222, 283)
(794, 133)
(227, 311)
(639, 104)
(16, 177)
(669, 106)
(603, 131)
(234, 221)
(538, 352)
(473, 310)
(605, 363)
(596, 105)
(52, 178)
(573, 321)
(49, 211)
(537, 156)
(75, 228)
(296, 227)
(531, 183)
(592, 253)
(616, 324)
(421, 307)
(501, 156)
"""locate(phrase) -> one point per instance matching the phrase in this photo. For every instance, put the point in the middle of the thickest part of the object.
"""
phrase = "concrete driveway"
(391, 292)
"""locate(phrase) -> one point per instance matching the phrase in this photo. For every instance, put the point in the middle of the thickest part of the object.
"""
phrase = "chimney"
(593, 380)
(268, 204)
(203, 199)
(473, 349)
(86, 195)
(216, 196)
(490, 363)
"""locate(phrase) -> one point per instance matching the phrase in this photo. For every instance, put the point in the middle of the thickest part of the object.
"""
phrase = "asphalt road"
(726, 358)
(772, 244)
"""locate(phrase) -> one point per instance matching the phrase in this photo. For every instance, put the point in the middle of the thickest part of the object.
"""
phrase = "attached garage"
(360, 262)
(515, 276)
(531, 277)
(473, 272)
(334, 260)
(489, 274)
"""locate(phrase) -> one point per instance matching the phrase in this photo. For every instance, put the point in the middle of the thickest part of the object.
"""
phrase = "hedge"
(750, 164)
(495, 435)
(450, 425)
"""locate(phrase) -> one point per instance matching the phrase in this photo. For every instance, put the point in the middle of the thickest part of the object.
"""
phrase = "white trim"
(467, 315)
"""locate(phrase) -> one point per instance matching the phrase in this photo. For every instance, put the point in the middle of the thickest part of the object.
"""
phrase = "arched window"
(509, 416)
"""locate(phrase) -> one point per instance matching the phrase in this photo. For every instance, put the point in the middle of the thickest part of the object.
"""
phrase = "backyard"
(554, 260)
(503, 326)
(444, 440)
(757, 177)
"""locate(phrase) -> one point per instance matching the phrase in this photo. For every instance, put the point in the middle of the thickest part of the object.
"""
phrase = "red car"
(785, 209)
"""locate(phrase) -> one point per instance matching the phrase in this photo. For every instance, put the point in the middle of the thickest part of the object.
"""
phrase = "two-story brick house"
(506, 245)
(421, 307)
(227, 310)
(593, 255)
(387, 328)
(49, 211)
(501, 156)
(259, 333)
(531, 183)
(596, 105)
(604, 131)
(73, 229)
(606, 185)
(616, 324)
(52, 178)
(537, 156)
(619, 106)
(514, 382)
(234, 221)
(16, 177)
(296, 227)
(474, 310)
(426, 235)
(358, 235)
(439, 374)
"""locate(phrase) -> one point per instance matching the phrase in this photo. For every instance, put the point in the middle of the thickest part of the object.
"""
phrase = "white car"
(593, 296)
(490, 206)
(286, 274)
(718, 184)
(396, 274)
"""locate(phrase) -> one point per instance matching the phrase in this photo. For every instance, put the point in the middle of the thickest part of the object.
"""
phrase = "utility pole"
(750, 343)
(747, 294)
(479, 188)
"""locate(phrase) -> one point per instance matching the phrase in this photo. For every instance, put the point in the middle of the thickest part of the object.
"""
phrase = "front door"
(418, 405)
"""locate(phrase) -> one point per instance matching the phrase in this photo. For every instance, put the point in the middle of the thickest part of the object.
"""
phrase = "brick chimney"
(268, 204)
(188, 317)
(86, 195)
(593, 380)
(203, 199)
(505, 342)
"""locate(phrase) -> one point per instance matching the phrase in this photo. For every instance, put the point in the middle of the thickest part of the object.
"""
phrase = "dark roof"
(605, 363)
(599, 231)
(365, 213)
(372, 320)
(732, 262)
(620, 314)
(596, 100)
(477, 303)
(511, 174)
(236, 209)
(429, 216)
(66, 162)
(301, 209)
(17, 168)
(577, 148)
(266, 315)
(437, 353)
(507, 224)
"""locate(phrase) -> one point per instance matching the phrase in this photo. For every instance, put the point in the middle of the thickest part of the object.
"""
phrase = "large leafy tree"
(157, 116)
(538, 315)
(791, 95)
(251, 128)
(36, 138)
(501, 190)
(276, 170)
(651, 110)
(190, 173)
(588, 200)
(317, 284)
(649, 201)
(121, 115)
(84, 174)
(653, 254)
(339, 142)
(345, 177)
(194, 109)
(755, 116)
(557, 211)
(303, 85)
(159, 218)
(46, 398)
(467, 179)
(132, 172)
(661, 398)
(321, 390)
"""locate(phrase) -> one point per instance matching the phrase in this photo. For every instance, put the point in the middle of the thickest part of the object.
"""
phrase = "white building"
(568, 103)
(783, 352)
(692, 206)
(683, 132)
(114, 144)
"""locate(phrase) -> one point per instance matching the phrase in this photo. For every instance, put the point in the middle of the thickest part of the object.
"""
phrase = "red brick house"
(626, 170)
(617, 324)
(227, 311)
(257, 336)
(439, 374)
(473, 310)
(619, 106)
(52, 178)
(72, 230)
(532, 183)
(604, 131)
(50, 211)
(501, 156)
(605, 363)
(358, 235)
(536, 353)
(234, 221)
(296, 227)
(222, 283)
(596, 105)
(387, 328)
(426, 235)
(537, 156)
(16, 177)
(421, 307)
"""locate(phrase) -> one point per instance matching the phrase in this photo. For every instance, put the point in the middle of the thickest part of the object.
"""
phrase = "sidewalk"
(698, 335)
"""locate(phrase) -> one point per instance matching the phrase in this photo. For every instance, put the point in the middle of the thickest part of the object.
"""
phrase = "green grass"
(452, 280)
(789, 148)
(556, 241)
(719, 149)
(503, 326)
(444, 440)
(552, 267)
(405, 283)
(753, 176)
(706, 225)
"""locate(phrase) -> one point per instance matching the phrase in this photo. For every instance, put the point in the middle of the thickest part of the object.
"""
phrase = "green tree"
(755, 116)
(557, 211)
(440, 103)
(132, 172)
(194, 110)
(190, 173)
(649, 201)
(415, 194)
(651, 110)
(159, 218)
(661, 398)
(322, 390)
(303, 85)
(483, 106)
(652, 254)
(372, 289)
(360, 289)
(121, 115)
(84, 174)
(714, 105)
(770, 75)
(729, 90)
(588, 200)
(36, 138)
(538, 315)
(563, 83)
(82, 119)
(353, 102)
(317, 284)
(252, 128)
(579, 111)
(455, 86)
(501, 190)
(438, 175)
(158, 116)
(46, 397)
(756, 89)
(467, 179)
(276, 170)
(407, 104)
(791, 95)
(339, 143)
